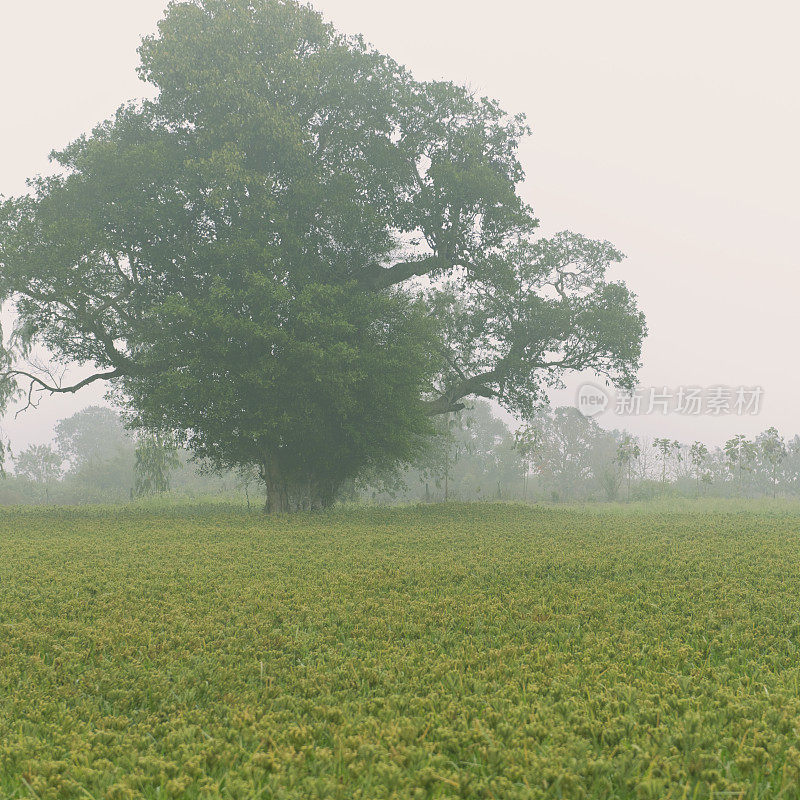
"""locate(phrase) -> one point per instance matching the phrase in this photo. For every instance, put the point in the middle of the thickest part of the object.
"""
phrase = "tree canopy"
(296, 254)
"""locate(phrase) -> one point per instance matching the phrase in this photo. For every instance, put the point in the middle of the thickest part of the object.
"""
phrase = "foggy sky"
(669, 129)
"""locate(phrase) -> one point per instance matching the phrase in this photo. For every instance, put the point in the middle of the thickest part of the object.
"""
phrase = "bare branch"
(55, 387)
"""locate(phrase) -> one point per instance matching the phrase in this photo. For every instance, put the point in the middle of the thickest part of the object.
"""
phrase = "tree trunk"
(277, 501)
(284, 496)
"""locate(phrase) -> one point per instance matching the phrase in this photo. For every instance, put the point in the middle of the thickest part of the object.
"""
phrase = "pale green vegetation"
(481, 651)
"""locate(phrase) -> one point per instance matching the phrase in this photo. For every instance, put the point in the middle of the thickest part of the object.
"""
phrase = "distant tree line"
(560, 456)
(95, 458)
(563, 456)
(573, 458)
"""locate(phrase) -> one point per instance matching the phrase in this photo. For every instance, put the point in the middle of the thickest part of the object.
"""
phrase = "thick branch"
(480, 385)
(449, 400)
(384, 277)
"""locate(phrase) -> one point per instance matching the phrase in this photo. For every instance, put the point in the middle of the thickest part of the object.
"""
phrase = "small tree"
(39, 464)
(529, 442)
(791, 465)
(98, 452)
(739, 458)
(628, 451)
(772, 452)
(449, 443)
(246, 476)
(698, 456)
(156, 457)
(668, 450)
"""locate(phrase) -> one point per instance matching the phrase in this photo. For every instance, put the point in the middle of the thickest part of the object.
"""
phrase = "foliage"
(474, 455)
(764, 465)
(628, 451)
(346, 383)
(96, 462)
(669, 451)
(99, 453)
(439, 652)
(574, 458)
(699, 457)
(772, 450)
(297, 252)
(91, 437)
(471, 456)
(39, 463)
(156, 457)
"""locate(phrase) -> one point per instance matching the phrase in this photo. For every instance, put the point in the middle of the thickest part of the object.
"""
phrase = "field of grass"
(446, 651)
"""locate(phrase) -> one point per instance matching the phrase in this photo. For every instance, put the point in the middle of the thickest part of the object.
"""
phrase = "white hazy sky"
(670, 129)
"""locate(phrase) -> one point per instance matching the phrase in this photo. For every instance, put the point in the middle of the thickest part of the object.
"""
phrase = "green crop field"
(446, 651)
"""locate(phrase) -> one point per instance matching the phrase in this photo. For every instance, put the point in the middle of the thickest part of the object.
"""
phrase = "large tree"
(297, 253)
